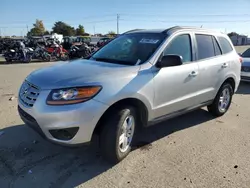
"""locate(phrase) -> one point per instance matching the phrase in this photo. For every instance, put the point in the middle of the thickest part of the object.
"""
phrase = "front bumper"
(245, 76)
(44, 118)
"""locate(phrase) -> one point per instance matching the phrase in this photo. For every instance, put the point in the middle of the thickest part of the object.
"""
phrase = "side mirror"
(169, 61)
(239, 54)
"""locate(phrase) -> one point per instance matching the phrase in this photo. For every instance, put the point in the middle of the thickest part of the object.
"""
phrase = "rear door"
(212, 67)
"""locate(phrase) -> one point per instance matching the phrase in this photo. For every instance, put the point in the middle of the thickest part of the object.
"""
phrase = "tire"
(112, 132)
(8, 60)
(47, 58)
(215, 108)
(28, 60)
(65, 57)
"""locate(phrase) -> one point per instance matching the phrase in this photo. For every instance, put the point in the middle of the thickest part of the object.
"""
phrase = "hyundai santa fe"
(138, 79)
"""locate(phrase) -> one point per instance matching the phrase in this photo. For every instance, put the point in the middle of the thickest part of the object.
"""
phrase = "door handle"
(193, 73)
(224, 65)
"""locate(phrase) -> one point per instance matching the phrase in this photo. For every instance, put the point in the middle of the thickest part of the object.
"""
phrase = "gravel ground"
(191, 151)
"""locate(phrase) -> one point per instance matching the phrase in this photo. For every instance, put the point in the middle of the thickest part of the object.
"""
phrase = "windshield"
(246, 53)
(130, 49)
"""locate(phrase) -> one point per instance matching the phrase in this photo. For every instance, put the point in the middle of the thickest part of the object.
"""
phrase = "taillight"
(241, 60)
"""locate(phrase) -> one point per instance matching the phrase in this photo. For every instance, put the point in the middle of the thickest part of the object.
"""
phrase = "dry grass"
(241, 49)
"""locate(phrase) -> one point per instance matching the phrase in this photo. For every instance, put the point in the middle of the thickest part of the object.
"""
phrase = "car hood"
(246, 62)
(78, 73)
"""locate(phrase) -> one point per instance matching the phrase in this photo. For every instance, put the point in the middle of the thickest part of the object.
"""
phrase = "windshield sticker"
(138, 62)
(149, 41)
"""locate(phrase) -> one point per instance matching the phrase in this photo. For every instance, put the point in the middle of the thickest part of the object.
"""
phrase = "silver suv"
(140, 78)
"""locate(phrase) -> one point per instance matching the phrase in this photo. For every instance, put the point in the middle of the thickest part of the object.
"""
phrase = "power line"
(186, 21)
(100, 21)
(187, 15)
(53, 20)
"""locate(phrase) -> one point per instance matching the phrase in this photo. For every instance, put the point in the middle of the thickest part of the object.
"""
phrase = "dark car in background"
(67, 42)
(245, 68)
(103, 41)
(82, 39)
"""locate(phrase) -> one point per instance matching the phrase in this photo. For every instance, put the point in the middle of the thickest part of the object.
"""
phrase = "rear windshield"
(130, 49)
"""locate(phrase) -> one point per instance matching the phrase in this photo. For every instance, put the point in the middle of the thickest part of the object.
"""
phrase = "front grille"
(28, 94)
(245, 69)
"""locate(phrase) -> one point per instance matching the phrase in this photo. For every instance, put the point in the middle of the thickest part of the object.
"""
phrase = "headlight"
(72, 95)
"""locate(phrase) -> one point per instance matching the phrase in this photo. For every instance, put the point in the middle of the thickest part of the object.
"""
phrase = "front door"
(176, 87)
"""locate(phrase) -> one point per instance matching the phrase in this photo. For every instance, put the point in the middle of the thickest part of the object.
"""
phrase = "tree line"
(59, 27)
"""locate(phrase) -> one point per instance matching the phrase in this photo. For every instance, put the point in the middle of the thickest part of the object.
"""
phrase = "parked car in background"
(67, 42)
(82, 39)
(103, 41)
(138, 79)
(245, 69)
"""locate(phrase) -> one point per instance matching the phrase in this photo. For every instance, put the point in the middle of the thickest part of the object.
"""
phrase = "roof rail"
(177, 28)
(132, 31)
(171, 28)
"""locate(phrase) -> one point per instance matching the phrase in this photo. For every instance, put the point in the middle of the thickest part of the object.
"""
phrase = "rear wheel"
(222, 100)
(117, 134)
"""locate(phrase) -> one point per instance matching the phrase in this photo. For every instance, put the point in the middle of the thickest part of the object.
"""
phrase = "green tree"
(111, 33)
(63, 28)
(80, 30)
(233, 34)
(38, 29)
(46, 33)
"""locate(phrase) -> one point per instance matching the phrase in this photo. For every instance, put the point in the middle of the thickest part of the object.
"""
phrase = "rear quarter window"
(225, 45)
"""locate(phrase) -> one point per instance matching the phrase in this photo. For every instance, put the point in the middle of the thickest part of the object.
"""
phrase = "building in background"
(239, 40)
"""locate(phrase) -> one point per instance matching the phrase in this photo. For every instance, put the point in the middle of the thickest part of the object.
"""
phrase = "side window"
(217, 49)
(180, 45)
(225, 45)
(205, 46)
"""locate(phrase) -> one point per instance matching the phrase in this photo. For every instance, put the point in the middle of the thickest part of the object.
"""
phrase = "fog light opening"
(64, 134)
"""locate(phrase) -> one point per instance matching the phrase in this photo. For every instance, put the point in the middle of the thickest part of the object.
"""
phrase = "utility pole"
(117, 20)
(94, 29)
(27, 29)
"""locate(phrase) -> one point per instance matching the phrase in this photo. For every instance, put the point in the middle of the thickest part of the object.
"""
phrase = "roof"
(168, 31)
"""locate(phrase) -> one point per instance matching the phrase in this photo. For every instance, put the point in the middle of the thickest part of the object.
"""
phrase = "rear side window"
(217, 49)
(225, 45)
(205, 46)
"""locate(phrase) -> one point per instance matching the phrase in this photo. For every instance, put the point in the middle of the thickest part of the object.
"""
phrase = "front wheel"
(222, 100)
(28, 59)
(117, 134)
(8, 60)
(64, 57)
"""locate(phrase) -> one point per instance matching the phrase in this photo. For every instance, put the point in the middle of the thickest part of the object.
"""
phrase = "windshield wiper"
(115, 61)
(104, 60)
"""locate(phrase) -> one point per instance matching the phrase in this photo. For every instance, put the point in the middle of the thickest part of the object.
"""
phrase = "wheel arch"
(231, 81)
(141, 110)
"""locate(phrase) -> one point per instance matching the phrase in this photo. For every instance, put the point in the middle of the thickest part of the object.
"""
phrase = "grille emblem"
(25, 91)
